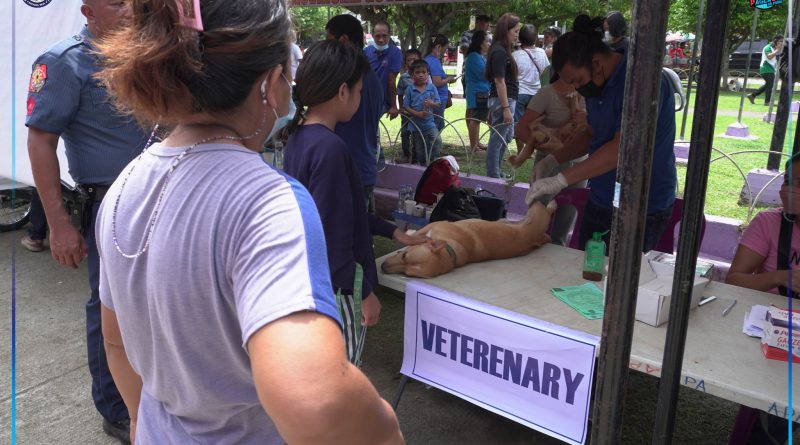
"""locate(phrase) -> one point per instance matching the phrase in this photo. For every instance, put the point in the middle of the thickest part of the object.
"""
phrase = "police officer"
(65, 101)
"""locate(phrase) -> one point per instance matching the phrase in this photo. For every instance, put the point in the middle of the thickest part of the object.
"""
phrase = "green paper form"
(587, 299)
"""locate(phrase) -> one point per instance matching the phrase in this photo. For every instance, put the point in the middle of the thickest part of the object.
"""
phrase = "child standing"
(321, 161)
(420, 101)
(404, 82)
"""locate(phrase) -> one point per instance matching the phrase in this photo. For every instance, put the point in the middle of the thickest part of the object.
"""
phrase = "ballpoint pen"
(728, 308)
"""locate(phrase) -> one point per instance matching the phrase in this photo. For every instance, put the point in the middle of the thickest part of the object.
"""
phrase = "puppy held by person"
(454, 244)
(547, 139)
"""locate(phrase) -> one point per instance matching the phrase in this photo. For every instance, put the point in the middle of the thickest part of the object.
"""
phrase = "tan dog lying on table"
(454, 244)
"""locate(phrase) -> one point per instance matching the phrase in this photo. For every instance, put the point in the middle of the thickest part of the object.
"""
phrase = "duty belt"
(96, 192)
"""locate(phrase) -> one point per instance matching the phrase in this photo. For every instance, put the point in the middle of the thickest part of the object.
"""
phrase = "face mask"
(282, 121)
(380, 47)
(591, 89)
(607, 37)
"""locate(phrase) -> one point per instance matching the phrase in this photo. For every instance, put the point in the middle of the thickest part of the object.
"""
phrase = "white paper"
(754, 321)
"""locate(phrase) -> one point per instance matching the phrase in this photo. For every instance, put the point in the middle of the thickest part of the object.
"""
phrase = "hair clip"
(195, 22)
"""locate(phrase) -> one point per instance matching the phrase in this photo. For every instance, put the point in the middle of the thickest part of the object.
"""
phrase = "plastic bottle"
(478, 189)
(401, 198)
(594, 258)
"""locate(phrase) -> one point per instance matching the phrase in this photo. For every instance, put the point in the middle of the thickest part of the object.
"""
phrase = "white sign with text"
(530, 371)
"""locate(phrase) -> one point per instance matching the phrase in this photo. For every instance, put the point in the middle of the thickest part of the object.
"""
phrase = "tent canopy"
(371, 2)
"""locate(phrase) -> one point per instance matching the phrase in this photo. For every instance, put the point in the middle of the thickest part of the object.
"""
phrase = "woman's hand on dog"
(370, 310)
(578, 117)
(408, 240)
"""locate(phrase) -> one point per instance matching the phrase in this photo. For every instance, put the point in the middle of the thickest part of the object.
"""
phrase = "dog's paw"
(552, 206)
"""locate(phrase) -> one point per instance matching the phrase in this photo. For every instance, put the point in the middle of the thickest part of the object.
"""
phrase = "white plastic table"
(719, 359)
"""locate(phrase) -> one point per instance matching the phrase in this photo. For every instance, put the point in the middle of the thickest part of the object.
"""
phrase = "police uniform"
(65, 99)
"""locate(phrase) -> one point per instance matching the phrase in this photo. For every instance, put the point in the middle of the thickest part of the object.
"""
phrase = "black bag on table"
(455, 205)
(490, 206)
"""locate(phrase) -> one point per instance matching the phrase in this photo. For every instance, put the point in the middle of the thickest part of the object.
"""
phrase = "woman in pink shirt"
(755, 265)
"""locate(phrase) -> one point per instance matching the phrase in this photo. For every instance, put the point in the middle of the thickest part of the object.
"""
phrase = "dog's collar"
(452, 253)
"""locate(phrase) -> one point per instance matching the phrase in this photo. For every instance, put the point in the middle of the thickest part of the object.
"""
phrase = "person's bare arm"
(601, 161)
(502, 96)
(128, 382)
(310, 390)
(743, 268)
(393, 96)
(578, 146)
(522, 131)
(66, 243)
(439, 81)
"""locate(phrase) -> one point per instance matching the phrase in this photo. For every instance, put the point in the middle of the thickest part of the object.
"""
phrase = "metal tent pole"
(692, 64)
(642, 89)
(694, 200)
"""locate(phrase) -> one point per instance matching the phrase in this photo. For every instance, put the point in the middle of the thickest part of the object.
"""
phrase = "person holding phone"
(439, 78)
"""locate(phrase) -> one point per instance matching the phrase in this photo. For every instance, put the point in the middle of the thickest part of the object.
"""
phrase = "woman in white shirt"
(531, 62)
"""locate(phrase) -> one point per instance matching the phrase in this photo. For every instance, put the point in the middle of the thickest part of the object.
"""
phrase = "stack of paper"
(754, 320)
(587, 299)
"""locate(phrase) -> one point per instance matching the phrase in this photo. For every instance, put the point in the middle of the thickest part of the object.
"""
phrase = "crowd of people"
(278, 266)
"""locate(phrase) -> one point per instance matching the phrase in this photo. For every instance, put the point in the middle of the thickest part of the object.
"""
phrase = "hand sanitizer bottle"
(594, 258)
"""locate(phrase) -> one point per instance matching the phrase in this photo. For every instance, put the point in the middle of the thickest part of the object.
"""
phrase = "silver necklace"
(152, 223)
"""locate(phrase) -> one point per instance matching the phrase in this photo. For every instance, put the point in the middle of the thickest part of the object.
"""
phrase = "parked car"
(737, 61)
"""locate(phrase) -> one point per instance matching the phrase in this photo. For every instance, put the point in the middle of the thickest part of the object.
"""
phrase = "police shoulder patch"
(38, 78)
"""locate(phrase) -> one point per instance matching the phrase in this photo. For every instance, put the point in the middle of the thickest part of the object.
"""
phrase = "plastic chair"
(576, 198)
(666, 243)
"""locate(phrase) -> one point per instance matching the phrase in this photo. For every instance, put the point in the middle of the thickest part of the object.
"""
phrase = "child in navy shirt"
(419, 101)
(321, 161)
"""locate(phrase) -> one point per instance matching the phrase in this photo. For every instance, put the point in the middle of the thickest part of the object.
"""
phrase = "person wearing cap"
(616, 31)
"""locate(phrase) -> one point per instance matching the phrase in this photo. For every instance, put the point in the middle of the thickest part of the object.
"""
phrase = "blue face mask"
(380, 47)
(280, 121)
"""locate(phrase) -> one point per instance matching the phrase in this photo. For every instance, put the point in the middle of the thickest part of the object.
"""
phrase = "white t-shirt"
(297, 56)
(528, 71)
(236, 245)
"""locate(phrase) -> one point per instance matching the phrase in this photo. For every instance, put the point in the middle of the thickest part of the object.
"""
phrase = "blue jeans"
(106, 396)
(427, 139)
(598, 219)
(405, 140)
(522, 105)
(38, 228)
(498, 142)
(438, 117)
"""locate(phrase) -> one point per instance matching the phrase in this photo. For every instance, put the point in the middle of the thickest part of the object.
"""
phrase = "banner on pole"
(530, 371)
(32, 26)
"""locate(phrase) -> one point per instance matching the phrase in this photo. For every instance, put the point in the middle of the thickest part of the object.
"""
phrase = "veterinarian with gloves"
(582, 59)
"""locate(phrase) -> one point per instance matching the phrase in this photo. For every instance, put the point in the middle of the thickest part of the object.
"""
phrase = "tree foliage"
(683, 17)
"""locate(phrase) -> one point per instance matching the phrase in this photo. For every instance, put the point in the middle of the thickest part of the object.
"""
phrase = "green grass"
(729, 100)
(725, 183)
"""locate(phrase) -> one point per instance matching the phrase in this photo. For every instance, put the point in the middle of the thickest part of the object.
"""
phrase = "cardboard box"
(775, 341)
(703, 269)
(655, 291)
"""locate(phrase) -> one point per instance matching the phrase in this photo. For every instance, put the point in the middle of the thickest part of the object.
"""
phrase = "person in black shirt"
(501, 72)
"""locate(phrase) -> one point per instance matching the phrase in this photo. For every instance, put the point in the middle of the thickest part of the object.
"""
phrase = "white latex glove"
(544, 168)
(545, 186)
